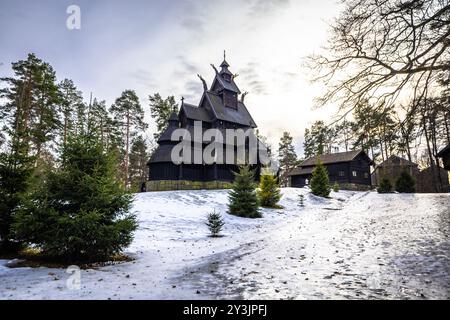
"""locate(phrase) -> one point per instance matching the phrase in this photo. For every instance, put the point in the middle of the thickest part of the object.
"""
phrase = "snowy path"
(356, 245)
(393, 249)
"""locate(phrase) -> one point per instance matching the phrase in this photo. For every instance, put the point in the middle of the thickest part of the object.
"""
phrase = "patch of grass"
(277, 206)
(33, 258)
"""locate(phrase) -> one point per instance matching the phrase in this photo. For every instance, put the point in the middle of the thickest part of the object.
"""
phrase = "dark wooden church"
(351, 170)
(445, 155)
(222, 107)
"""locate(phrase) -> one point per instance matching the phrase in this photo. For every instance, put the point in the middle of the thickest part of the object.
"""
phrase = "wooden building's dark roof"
(166, 135)
(334, 158)
(301, 171)
(195, 113)
(211, 109)
(394, 160)
(307, 166)
(240, 115)
(161, 154)
(444, 151)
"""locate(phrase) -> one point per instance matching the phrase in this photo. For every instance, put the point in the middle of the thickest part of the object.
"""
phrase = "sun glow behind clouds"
(160, 46)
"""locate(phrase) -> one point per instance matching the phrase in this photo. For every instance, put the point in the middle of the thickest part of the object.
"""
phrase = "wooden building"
(425, 183)
(392, 168)
(220, 108)
(351, 170)
(445, 155)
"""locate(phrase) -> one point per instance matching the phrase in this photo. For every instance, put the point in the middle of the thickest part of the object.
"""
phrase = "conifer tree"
(215, 223)
(71, 101)
(243, 198)
(405, 183)
(318, 139)
(31, 97)
(385, 186)
(138, 162)
(301, 200)
(81, 211)
(336, 187)
(320, 183)
(160, 110)
(286, 156)
(269, 193)
(129, 115)
(16, 169)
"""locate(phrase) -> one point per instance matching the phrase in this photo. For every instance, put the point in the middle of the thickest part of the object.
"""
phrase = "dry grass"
(33, 258)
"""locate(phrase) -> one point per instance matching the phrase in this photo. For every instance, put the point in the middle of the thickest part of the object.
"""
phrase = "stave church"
(221, 107)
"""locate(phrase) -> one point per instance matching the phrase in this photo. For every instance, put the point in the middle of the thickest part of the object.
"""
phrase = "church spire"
(224, 65)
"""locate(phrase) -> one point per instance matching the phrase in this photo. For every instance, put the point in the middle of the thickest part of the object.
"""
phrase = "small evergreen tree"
(215, 223)
(385, 186)
(80, 212)
(243, 197)
(269, 193)
(320, 184)
(301, 199)
(336, 187)
(405, 183)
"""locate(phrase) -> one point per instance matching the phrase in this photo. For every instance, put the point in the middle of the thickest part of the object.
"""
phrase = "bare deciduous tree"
(383, 50)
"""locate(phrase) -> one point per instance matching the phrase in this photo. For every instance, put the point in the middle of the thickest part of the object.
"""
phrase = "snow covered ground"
(356, 245)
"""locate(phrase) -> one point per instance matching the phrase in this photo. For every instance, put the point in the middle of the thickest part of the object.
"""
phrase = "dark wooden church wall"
(163, 171)
(193, 172)
(225, 172)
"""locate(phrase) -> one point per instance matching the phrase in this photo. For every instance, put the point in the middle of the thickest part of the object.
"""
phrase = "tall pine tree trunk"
(127, 149)
(447, 125)
(430, 152)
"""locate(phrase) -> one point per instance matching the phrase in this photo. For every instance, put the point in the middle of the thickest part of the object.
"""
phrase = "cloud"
(193, 24)
(194, 91)
(185, 67)
(144, 77)
(252, 79)
(264, 7)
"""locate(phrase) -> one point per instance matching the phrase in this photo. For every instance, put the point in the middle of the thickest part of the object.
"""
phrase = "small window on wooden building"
(341, 173)
(366, 175)
(354, 173)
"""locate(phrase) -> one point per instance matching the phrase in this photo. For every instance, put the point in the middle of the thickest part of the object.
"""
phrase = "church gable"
(220, 103)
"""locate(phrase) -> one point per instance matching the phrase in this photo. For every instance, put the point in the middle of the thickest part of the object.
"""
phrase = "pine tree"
(405, 183)
(129, 114)
(336, 187)
(385, 186)
(31, 98)
(160, 110)
(71, 101)
(109, 129)
(269, 193)
(81, 211)
(243, 198)
(286, 156)
(215, 223)
(320, 184)
(319, 139)
(138, 162)
(301, 200)
(16, 170)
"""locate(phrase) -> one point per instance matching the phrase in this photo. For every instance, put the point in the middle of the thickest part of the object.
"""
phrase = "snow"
(354, 245)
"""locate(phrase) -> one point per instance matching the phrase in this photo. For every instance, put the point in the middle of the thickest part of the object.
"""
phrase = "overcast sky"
(160, 46)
